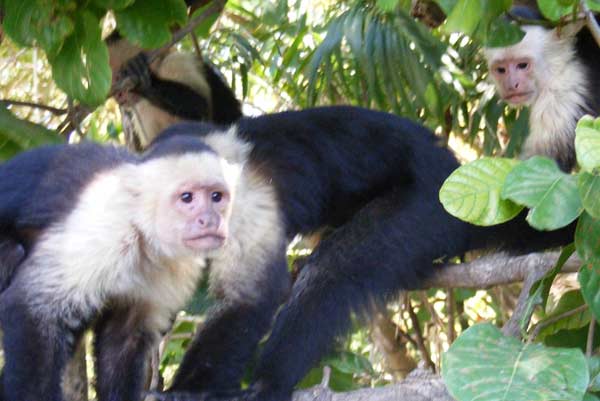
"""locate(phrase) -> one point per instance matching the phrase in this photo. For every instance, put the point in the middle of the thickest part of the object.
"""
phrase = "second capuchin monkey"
(554, 72)
(116, 243)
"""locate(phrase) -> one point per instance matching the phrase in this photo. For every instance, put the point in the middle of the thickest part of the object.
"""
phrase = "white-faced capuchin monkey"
(554, 72)
(174, 87)
(117, 243)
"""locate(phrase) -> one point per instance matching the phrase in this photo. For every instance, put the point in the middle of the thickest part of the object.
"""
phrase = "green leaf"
(538, 294)
(587, 143)
(587, 238)
(502, 33)
(43, 22)
(589, 279)
(594, 5)
(551, 195)
(554, 10)
(204, 28)
(113, 4)
(589, 192)
(472, 192)
(568, 302)
(22, 134)
(147, 23)
(590, 397)
(81, 67)
(387, 5)
(594, 368)
(465, 17)
(485, 365)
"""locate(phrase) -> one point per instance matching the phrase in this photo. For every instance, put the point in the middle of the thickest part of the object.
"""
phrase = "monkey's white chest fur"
(97, 255)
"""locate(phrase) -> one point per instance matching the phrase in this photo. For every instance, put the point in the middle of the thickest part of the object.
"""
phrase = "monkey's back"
(40, 186)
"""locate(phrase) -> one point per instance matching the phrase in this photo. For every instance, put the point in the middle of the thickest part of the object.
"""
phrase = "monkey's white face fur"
(543, 72)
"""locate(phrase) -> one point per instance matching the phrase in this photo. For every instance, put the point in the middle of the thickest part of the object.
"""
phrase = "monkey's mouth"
(518, 98)
(205, 242)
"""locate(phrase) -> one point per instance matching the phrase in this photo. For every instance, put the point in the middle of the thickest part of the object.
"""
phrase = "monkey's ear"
(570, 29)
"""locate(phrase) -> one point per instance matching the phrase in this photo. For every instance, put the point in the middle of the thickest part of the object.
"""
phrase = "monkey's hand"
(137, 70)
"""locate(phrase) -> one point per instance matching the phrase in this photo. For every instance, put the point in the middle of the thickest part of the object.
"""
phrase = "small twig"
(590, 21)
(552, 320)
(420, 340)
(589, 347)
(54, 110)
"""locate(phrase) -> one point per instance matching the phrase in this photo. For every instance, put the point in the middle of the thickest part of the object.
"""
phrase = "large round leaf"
(472, 192)
(551, 195)
(587, 143)
(485, 365)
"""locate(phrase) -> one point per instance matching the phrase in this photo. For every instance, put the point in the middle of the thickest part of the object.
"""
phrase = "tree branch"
(420, 385)
(53, 110)
(496, 269)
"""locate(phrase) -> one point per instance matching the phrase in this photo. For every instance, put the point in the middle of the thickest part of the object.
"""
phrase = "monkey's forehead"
(536, 37)
(187, 167)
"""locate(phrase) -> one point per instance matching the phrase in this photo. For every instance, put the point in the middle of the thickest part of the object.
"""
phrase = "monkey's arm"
(174, 97)
(225, 343)
(121, 344)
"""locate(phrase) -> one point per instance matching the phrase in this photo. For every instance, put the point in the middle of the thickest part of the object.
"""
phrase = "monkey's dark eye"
(216, 196)
(500, 70)
(522, 66)
(186, 197)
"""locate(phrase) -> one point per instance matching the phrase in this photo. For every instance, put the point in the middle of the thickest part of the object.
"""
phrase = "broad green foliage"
(485, 365)
(472, 192)
(69, 33)
(550, 194)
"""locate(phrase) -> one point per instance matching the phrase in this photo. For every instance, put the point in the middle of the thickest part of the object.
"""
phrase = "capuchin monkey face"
(514, 79)
(202, 209)
(189, 207)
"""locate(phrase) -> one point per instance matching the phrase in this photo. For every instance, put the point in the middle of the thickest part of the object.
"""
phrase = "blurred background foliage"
(392, 55)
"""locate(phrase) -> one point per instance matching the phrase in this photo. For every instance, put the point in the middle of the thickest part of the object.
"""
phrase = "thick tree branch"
(497, 269)
(420, 385)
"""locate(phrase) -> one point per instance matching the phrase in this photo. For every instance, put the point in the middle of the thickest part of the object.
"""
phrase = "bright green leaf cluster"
(69, 33)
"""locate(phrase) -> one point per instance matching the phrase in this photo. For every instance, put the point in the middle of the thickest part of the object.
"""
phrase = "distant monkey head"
(522, 71)
(187, 200)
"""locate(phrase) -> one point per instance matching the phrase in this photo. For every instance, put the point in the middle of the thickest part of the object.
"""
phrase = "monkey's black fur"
(375, 178)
